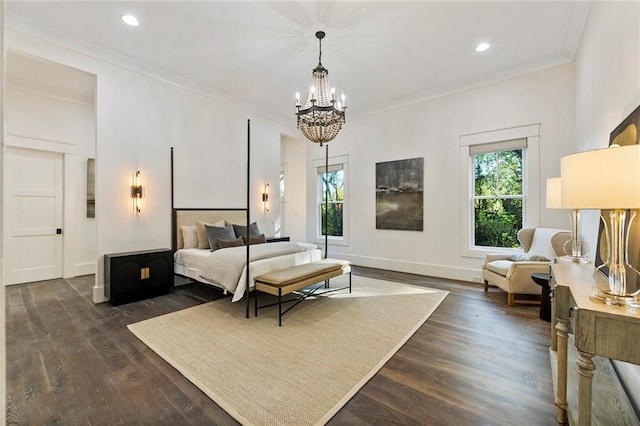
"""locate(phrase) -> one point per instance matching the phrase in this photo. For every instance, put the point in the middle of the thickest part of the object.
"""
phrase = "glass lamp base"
(574, 259)
(612, 300)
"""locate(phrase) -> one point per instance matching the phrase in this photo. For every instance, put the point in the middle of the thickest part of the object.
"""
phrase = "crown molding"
(30, 28)
(573, 38)
(475, 83)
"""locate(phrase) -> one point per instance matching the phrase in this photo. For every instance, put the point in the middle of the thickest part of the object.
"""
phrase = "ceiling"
(381, 54)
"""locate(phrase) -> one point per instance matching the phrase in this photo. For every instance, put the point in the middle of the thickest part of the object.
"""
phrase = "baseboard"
(440, 271)
(98, 294)
(80, 269)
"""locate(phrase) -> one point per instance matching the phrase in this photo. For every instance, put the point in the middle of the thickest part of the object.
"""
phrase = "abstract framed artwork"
(399, 194)
(91, 187)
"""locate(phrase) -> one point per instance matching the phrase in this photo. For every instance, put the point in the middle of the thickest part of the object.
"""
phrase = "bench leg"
(255, 302)
(326, 283)
(280, 307)
(349, 281)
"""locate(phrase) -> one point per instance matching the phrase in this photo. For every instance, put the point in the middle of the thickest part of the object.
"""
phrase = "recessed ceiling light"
(482, 47)
(130, 20)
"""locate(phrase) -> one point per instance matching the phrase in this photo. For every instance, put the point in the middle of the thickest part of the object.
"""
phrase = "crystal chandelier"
(322, 117)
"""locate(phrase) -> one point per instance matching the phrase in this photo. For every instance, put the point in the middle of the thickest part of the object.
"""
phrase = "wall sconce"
(265, 197)
(136, 191)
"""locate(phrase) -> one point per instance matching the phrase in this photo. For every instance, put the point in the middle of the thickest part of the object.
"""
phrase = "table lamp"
(607, 179)
(554, 201)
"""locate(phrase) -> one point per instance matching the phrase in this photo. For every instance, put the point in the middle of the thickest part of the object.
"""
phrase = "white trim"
(320, 162)
(530, 181)
(23, 26)
(506, 134)
(39, 144)
(98, 294)
(426, 269)
(87, 268)
(470, 84)
(49, 95)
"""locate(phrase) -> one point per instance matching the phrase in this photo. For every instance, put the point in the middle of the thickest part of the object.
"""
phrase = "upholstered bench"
(285, 281)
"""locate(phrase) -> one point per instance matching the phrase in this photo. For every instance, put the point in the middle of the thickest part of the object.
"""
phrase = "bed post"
(326, 199)
(174, 236)
(248, 208)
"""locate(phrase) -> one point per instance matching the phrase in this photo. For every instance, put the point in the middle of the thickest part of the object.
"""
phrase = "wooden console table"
(607, 331)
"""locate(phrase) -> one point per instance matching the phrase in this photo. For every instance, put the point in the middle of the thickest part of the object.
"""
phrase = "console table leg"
(562, 329)
(586, 367)
(554, 323)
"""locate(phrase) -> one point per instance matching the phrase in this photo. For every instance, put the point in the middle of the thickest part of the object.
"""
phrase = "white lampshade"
(602, 179)
(554, 193)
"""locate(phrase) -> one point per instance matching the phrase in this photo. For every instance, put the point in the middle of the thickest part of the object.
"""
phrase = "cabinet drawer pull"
(144, 273)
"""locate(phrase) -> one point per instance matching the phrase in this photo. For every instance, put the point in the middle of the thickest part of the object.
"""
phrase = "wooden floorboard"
(474, 362)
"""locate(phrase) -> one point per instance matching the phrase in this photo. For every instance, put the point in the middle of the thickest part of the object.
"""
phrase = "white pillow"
(203, 241)
(189, 236)
(541, 243)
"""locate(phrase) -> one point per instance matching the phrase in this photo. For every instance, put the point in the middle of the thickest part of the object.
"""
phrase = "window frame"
(342, 161)
(530, 182)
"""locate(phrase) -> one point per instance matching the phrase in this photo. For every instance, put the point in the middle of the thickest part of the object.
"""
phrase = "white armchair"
(514, 276)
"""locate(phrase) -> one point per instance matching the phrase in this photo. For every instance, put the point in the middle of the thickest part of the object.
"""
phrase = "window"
(331, 188)
(280, 223)
(282, 185)
(500, 188)
(498, 198)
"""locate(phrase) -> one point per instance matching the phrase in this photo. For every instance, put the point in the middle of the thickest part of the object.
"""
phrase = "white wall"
(294, 154)
(138, 119)
(41, 117)
(607, 91)
(431, 130)
(3, 352)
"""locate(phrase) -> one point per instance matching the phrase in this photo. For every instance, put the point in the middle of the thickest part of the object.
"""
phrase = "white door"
(33, 215)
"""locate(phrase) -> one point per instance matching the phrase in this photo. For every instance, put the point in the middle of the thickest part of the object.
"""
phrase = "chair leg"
(511, 299)
(486, 285)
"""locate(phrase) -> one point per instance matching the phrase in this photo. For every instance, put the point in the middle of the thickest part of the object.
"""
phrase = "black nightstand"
(277, 239)
(137, 275)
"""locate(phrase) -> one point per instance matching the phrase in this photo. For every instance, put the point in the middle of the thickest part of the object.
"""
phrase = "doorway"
(33, 215)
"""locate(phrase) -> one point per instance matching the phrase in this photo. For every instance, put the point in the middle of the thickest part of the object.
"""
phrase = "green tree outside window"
(498, 199)
(333, 193)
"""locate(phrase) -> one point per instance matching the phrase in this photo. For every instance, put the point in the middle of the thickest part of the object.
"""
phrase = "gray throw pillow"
(231, 243)
(215, 233)
(241, 231)
(260, 239)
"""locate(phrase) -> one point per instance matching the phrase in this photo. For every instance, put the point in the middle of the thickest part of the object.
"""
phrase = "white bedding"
(195, 263)
(188, 262)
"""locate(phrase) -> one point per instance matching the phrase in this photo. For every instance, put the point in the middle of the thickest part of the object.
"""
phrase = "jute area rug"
(303, 372)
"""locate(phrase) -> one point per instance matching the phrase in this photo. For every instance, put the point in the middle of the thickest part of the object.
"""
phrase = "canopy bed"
(212, 246)
(320, 120)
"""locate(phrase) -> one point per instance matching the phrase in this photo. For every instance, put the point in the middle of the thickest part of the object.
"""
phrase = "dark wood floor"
(474, 362)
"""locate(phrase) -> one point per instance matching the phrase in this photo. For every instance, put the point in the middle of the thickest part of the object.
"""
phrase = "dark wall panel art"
(399, 194)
